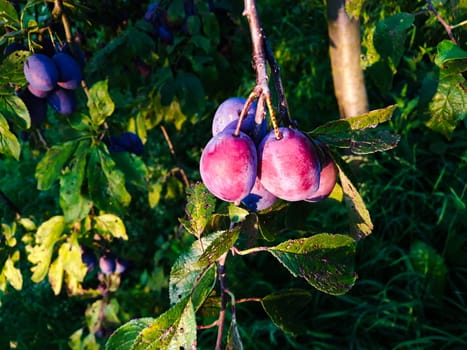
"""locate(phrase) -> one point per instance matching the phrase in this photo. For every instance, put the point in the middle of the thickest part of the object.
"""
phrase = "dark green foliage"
(388, 244)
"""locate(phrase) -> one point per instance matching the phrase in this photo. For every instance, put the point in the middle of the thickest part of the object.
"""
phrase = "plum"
(14, 46)
(107, 263)
(226, 117)
(89, 258)
(165, 34)
(37, 107)
(121, 265)
(126, 142)
(289, 167)
(228, 166)
(62, 100)
(69, 71)
(41, 72)
(37, 92)
(327, 176)
(259, 197)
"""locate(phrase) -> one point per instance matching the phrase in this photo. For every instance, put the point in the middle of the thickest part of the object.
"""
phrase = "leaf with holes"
(186, 273)
(174, 329)
(326, 261)
(124, 337)
(199, 208)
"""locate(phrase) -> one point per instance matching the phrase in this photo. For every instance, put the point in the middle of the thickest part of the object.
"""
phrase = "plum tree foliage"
(105, 156)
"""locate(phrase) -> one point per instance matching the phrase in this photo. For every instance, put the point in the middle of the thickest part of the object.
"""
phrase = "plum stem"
(259, 60)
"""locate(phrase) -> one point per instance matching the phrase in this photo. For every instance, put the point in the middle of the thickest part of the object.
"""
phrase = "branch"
(259, 61)
(345, 52)
(441, 20)
(223, 287)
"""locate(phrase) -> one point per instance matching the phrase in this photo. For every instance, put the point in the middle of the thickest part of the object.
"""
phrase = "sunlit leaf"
(40, 255)
(9, 144)
(110, 225)
(124, 337)
(326, 261)
(100, 103)
(200, 205)
(448, 51)
(186, 271)
(218, 247)
(11, 272)
(175, 329)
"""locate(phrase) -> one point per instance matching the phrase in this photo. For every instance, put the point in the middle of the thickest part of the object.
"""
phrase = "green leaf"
(199, 208)
(11, 272)
(447, 107)
(133, 167)
(234, 341)
(359, 217)
(220, 245)
(8, 14)
(175, 329)
(106, 184)
(75, 269)
(390, 34)
(237, 214)
(100, 103)
(125, 336)
(326, 261)
(12, 68)
(49, 168)
(431, 265)
(74, 203)
(359, 134)
(203, 286)
(190, 93)
(9, 144)
(110, 225)
(14, 109)
(288, 309)
(186, 272)
(40, 255)
(448, 51)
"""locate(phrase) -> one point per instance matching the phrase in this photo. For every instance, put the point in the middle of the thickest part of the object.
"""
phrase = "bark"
(345, 52)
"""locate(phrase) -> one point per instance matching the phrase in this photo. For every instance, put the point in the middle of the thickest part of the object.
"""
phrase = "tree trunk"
(345, 51)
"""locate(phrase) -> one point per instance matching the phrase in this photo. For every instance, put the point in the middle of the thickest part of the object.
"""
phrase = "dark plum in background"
(69, 71)
(63, 101)
(126, 142)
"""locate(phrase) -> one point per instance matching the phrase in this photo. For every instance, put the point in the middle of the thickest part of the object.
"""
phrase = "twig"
(259, 60)
(442, 21)
(174, 155)
(223, 287)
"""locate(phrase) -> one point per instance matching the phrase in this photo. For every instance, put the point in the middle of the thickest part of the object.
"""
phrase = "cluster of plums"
(255, 167)
(51, 80)
(107, 262)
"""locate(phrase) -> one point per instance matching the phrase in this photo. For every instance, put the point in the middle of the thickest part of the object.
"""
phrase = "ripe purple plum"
(227, 114)
(107, 263)
(289, 167)
(228, 166)
(259, 197)
(69, 71)
(37, 92)
(41, 72)
(62, 100)
(327, 176)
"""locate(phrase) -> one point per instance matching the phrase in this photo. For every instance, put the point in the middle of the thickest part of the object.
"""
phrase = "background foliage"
(410, 290)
